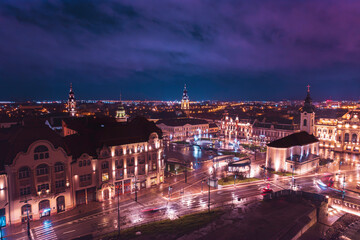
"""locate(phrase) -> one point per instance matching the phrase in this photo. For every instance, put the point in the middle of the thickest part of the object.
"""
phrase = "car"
(153, 210)
(266, 190)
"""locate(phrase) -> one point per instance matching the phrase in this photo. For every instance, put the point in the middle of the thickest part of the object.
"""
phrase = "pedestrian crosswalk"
(45, 232)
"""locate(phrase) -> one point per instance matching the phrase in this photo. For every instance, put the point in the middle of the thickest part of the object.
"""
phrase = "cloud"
(126, 43)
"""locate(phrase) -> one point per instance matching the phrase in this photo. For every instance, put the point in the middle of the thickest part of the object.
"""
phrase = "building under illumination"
(183, 128)
(121, 114)
(340, 134)
(43, 173)
(37, 167)
(298, 153)
(257, 131)
(112, 158)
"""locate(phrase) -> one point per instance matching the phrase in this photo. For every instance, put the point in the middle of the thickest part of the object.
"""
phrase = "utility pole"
(135, 190)
(343, 193)
(118, 208)
(169, 192)
(293, 179)
(185, 173)
(209, 196)
(27, 217)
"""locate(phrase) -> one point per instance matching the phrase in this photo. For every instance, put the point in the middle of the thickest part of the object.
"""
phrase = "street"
(159, 203)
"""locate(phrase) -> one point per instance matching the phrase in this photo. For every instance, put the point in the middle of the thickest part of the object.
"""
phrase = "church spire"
(185, 106)
(308, 107)
(71, 102)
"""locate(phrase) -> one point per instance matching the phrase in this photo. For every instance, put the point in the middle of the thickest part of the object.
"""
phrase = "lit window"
(105, 177)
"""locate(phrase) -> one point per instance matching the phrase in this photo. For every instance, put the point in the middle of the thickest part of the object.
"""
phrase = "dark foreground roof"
(18, 139)
(99, 134)
(295, 139)
(182, 121)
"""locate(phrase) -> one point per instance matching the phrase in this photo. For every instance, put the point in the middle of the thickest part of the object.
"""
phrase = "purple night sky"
(224, 50)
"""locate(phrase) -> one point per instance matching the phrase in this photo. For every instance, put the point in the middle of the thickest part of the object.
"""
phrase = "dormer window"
(41, 152)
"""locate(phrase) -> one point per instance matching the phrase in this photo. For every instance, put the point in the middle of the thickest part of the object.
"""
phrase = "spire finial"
(70, 86)
(308, 88)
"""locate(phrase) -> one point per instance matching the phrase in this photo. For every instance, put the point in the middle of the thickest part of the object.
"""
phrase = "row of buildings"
(43, 172)
(339, 134)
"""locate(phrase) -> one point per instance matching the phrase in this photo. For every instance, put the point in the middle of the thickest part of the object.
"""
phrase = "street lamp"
(209, 195)
(135, 190)
(27, 217)
(343, 191)
(202, 181)
(169, 192)
(118, 207)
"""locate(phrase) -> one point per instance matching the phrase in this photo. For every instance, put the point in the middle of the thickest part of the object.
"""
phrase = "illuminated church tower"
(71, 102)
(307, 115)
(185, 102)
(120, 113)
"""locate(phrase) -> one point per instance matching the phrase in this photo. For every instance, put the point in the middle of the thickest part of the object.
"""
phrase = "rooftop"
(296, 139)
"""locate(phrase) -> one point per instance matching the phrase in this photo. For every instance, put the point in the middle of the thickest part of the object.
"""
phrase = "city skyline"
(227, 51)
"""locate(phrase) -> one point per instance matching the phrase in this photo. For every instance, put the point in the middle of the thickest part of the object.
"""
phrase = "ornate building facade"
(340, 134)
(45, 173)
(259, 132)
(183, 128)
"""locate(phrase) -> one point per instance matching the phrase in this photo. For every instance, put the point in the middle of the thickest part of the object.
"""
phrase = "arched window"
(26, 209)
(105, 165)
(354, 138)
(305, 122)
(41, 152)
(42, 169)
(346, 138)
(59, 167)
(24, 172)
